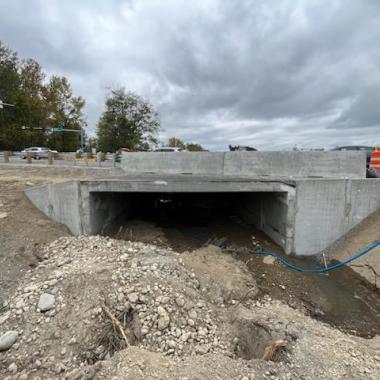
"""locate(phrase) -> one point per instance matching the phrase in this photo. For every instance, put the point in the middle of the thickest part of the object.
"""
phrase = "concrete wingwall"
(329, 164)
(61, 202)
(328, 209)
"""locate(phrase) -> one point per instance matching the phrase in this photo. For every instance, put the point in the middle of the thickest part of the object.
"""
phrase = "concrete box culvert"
(303, 216)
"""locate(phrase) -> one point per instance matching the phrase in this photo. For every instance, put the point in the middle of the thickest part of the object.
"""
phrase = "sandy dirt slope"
(24, 229)
(361, 236)
(177, 318)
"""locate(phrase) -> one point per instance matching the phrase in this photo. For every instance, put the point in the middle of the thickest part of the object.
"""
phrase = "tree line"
(36, 105)
(131, 122)
(43, 111)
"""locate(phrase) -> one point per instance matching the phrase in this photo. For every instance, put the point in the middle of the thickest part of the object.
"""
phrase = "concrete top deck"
(187, 184)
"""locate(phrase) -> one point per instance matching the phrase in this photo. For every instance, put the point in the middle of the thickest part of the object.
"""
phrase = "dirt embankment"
(23, 229)
(98, 308)
(102, 308)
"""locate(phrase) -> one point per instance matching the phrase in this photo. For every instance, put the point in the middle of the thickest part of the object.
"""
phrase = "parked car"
(37, 152)
(367, 149)
(169, 149)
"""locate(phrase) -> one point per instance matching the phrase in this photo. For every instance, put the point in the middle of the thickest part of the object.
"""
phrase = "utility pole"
(81, 138)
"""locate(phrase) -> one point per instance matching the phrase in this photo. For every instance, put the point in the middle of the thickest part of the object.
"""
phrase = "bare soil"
(24, 229)
(342, 298)
(243, 303)
(359, 237)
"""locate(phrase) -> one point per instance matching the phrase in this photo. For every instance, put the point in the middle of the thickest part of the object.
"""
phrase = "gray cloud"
(271, 73)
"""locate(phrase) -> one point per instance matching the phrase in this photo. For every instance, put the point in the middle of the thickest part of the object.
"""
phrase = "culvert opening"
(186, 221)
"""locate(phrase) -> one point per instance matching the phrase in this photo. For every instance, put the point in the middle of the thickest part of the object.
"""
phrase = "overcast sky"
(267, 73)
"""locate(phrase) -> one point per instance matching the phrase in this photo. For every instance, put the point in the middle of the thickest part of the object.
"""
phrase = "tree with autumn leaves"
(39, 104)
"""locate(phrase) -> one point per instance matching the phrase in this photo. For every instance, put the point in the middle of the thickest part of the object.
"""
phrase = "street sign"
(59, 129)
(2, 104)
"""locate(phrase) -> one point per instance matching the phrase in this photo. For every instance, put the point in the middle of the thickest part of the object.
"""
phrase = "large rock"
(46, 302)
(7, 340)
(164, 319)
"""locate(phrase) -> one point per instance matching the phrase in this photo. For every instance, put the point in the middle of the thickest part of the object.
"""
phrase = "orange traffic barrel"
(375, 160)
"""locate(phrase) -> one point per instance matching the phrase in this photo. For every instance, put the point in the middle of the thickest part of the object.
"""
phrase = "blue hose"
(297, 268)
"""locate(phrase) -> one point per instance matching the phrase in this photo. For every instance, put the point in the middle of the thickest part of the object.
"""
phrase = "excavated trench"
(187, 221)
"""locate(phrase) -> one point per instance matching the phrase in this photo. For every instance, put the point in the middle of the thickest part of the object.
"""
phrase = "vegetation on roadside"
(43, 111)
(128, 122)
(178, 143)
(36, 105)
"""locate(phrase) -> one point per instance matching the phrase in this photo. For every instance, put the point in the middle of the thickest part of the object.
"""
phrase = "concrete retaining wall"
(203, 163)
(332, 164)
(328, 209)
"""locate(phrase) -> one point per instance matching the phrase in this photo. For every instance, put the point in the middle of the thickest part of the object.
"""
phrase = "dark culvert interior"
(186, 221)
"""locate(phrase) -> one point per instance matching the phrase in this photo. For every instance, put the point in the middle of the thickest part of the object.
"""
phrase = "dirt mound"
(102, 308)
(223, 278)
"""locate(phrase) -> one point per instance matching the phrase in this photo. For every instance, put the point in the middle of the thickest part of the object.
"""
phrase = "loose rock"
(7, 340)
(46, 302)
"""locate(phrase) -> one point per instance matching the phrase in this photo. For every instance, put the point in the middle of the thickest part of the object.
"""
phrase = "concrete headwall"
(332, 164)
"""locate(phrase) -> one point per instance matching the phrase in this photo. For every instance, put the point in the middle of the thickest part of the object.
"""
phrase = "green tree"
(174, 142)
(38, 106)
(128, 122)
(9, 85)
(30, 104)
(192, 147)
(64, 110)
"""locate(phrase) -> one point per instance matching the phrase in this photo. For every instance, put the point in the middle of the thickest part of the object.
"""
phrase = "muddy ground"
(343, 299)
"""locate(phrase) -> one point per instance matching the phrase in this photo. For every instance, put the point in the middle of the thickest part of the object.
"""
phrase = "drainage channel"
(341, 298)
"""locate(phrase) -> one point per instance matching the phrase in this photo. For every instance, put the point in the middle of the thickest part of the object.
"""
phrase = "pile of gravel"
(101, 308)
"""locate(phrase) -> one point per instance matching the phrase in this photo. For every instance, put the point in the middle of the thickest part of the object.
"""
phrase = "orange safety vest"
(375, 160)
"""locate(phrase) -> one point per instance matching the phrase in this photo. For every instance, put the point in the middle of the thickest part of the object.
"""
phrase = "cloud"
(271, 73)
